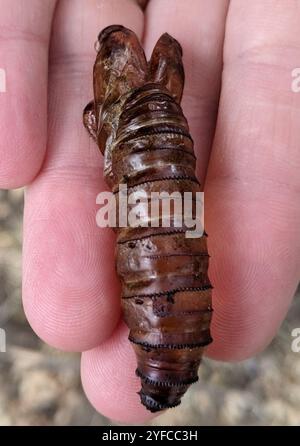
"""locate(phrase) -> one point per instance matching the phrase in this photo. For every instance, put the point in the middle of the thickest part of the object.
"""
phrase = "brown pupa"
(138, 124)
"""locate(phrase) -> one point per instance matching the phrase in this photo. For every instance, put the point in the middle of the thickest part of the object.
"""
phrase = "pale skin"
(249, 161)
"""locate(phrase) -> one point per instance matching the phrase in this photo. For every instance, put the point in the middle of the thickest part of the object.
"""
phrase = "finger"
(24, 42)
(71, 295)
(252, 190)
(109, 381)
(198, 25)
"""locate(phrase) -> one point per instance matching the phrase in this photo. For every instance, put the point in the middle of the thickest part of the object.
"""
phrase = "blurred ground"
(41, 386)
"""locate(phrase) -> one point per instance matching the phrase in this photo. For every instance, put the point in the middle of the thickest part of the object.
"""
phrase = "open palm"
(247, 147)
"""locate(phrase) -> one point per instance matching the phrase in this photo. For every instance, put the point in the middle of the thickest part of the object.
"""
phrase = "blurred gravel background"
(41, 386)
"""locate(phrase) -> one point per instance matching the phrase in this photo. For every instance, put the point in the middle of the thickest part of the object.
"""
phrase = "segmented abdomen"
(166, 293)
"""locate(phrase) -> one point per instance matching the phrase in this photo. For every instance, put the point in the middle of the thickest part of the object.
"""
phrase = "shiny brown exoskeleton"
(138, 124)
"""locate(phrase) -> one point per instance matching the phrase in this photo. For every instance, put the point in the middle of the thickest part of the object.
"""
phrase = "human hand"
(250, 164)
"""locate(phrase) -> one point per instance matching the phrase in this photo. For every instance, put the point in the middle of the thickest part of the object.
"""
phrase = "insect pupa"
(137, 121)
